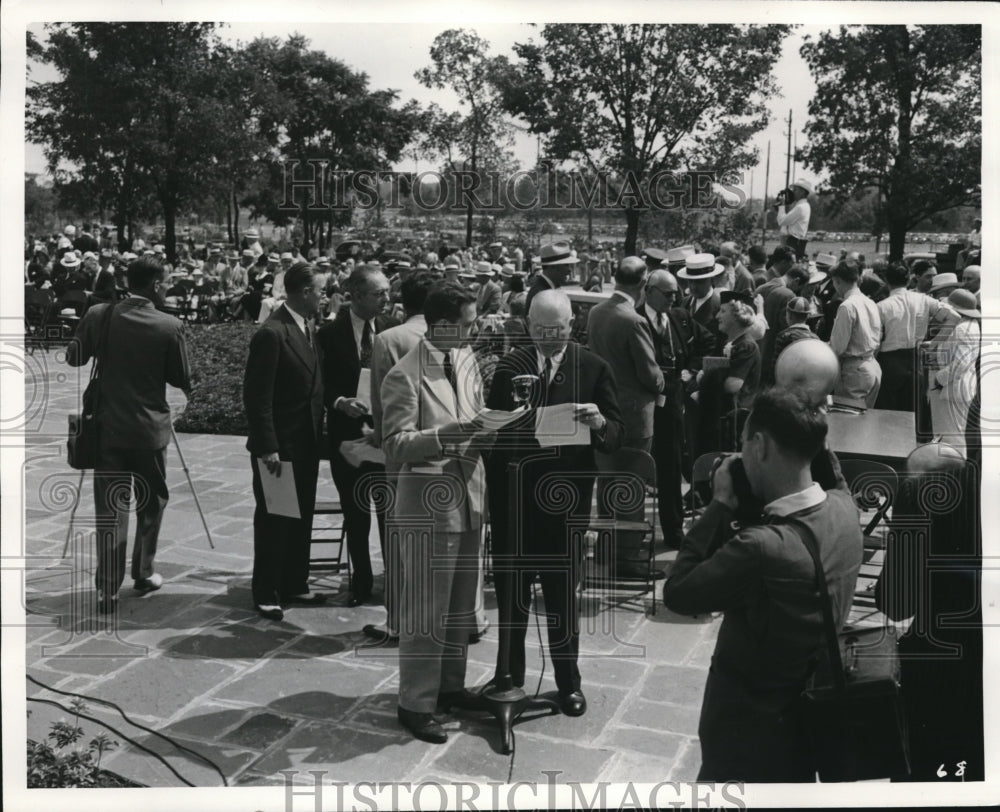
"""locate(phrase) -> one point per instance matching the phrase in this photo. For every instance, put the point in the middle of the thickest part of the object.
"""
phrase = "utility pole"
(763, 217)
(788, 153)
(795, 148)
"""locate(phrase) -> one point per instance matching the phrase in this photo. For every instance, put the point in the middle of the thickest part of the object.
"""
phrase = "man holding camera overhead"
(793, 216)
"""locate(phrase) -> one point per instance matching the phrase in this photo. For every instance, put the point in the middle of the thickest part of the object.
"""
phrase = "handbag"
(83, 443)
(852, 707)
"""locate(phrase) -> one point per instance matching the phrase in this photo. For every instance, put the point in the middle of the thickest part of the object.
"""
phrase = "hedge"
(217, 354)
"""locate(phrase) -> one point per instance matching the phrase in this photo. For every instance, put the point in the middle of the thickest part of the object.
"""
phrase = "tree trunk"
(897, 237)
(631, 230)
(229, 221)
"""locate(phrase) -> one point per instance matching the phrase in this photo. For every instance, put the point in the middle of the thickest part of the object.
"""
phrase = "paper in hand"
(279, 491)
(557, 425)
(361, 451)
(365, 387)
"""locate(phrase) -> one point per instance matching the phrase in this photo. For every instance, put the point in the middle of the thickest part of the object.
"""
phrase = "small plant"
(47, 767)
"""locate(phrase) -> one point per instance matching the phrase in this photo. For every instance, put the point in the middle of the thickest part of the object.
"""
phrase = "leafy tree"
(323, 111)
(897, 109)
(638, 99)
(479, 135)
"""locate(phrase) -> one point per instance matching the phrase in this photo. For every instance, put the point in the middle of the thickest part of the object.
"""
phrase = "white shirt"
(556, 360)
(906, 315)
(658, 320)
(795, 221)
(794, 502)
(359, 330)
(301, 322)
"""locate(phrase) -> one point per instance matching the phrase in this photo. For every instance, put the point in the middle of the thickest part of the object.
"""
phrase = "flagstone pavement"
(195, 662)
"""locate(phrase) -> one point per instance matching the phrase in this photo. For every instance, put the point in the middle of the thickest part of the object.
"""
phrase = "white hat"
(826, 260)
(251, 233)
(944, 281)
(700, 266)
(677, 256)
(70, 260)
(804, 184)
(90, 255)
(69, 231)
(287, 255)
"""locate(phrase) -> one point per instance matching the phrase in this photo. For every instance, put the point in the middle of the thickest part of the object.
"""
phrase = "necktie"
(667, 333)
(309, 333)
(366, 346)
(449, 370)
(546, 375)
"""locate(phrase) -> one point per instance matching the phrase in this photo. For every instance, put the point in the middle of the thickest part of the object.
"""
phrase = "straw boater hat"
(825, 260)
(287, 255)
(249, 254)
(271, 258)
(483, 269)
(700, 266)
(964, 301)
(70, 260)
(676, 257)
(251, 234)
(557, 253)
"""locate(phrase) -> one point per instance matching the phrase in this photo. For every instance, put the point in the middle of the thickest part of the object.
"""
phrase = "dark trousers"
(668, 450)
(899, 380)
(281, 543)
(559, 578)
(797, 245)
(119, 472)
(354, 486)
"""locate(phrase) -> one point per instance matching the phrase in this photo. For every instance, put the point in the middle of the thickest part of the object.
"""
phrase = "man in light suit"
(390, 346)
(489, 295)
(283, 398)
(619, 335)
(347, 344)
(430, 399)
(145, 351)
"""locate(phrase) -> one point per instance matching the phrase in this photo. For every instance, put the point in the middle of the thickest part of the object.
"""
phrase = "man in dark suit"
(539, 541)
(283, 398)
(763, 578)
(347, 343)
(145, 351)
(703, 301)
(680, 343)
(619, 335)
(557, 265)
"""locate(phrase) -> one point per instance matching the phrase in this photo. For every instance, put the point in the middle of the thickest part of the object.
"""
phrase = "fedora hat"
(677, 256)
(70, 260)
(484, 268)
(251, 233)
(964, 301)
(557, 253)
(700, 266)
(451, 262)
(943, 281)
(825, 260)
(804, 184)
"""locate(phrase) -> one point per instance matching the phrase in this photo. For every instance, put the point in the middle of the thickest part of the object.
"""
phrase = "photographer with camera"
(764, 580)
(793, 214)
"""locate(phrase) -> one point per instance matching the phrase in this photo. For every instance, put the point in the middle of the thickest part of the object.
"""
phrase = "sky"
(390, 53)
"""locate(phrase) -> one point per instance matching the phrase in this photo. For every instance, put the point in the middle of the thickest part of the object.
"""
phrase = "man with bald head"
(679, 343)
(618, 334)
(548, 490)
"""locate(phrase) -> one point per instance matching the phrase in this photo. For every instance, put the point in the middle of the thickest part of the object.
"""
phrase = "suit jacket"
(145, 352)
(706, 316)
(417, 400)
(488, 299)
(388, 348)
(623, 338)
(744, 281)
(283, 391)
(583, 377)
(691, 341)
(341, 371)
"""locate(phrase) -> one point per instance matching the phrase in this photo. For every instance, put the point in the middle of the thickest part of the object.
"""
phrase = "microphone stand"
(502, 698)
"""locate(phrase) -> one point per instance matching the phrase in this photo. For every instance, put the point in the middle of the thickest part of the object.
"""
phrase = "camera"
(748, 507)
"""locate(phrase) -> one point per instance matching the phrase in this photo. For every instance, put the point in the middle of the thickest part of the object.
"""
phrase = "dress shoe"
(422, 725)
(308, 599)
(106, 603)
(635, 570)
(475, 637)
(357, 599)
(150, 584)
(573, 704)
(269, 612)
(463, 700)
(379, 633)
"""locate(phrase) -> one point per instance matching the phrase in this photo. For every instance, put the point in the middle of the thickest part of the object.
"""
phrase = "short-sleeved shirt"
(744, 363)
(857, 329)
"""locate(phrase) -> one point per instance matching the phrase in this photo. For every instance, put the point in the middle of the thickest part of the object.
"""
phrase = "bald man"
(618, 334)
(679, 343)
(552, 493)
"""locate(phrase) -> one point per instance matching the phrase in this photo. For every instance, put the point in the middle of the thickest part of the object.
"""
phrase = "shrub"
(217, 354)
(48, 767)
